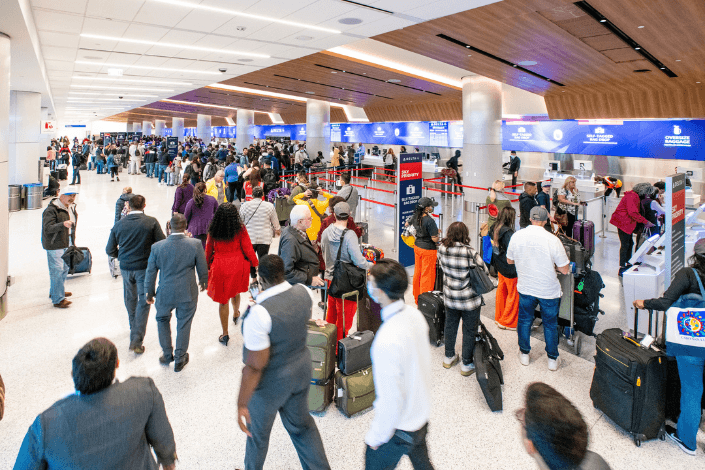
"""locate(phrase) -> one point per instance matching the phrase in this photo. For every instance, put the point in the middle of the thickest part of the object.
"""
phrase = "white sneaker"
(449, 362)
(553, 364)
(466, 370)
(524, 359)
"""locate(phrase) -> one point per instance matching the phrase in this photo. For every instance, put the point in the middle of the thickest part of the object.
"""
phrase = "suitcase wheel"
(577, 345)
(637, 441)
(438, 342)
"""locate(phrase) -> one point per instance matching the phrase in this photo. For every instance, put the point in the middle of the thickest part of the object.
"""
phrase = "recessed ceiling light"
(350, 21)
(603, 20)
(469, 55)
(144, 67)
(310, 92)
(637, 48)
(119, 88)
(394, 80)
(697, 82)
(241, 28)
(172, 45)
(268, 19)
(149, 82)
(304, 38)
(641, 27)
(527, 63)
(678, 60)
(334, 71)
(252, 91)
(663, 68)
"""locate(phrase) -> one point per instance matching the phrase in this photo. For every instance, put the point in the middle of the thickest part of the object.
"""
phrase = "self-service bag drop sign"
(408, 194)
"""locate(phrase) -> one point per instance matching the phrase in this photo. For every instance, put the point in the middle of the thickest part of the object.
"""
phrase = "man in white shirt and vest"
(401, 367)
(537, 254)
(277, 372)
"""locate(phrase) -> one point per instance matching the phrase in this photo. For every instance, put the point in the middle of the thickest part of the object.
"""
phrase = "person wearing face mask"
(401, 369)
(348, 192)
(425, 247)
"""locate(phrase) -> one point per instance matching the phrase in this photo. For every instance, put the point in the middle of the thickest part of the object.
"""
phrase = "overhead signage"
(455, 134)
(675, 225)
(74, 125)
(408, 194)
(438, 134)
(49, 127)
(654, 139)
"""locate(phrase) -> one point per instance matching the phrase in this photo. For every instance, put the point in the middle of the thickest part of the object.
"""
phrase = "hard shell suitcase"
(114, 266)
(355, 392)
(629, 384)
(321, 344)
(432, 307)
(584, 232)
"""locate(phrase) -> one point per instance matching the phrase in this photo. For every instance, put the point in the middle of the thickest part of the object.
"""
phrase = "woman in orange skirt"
(506, 313)
(230, 255)
(425, 247)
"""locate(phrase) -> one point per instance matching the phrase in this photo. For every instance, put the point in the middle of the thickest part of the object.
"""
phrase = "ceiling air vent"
(369, 7)
(642, 71)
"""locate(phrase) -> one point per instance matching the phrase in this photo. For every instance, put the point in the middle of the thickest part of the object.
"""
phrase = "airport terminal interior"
(418, 98)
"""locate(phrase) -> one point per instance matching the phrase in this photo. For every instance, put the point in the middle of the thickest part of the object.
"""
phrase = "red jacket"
(627, 215)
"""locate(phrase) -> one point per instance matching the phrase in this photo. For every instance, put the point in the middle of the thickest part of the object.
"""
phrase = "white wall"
(92, 128)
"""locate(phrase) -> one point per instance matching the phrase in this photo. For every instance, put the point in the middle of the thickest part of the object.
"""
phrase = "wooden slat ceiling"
(572, 48)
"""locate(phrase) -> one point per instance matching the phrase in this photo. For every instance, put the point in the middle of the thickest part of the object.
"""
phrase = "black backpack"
(270, 181)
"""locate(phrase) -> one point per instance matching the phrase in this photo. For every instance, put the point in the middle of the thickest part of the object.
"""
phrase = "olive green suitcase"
(355, 392)
(321, 343)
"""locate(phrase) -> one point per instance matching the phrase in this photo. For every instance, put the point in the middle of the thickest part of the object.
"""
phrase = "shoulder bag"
(346, 276)
(685, 324)
(479, 279)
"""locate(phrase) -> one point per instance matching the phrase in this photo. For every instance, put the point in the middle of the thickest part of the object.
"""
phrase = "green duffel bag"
(321, 343)
(355, 392)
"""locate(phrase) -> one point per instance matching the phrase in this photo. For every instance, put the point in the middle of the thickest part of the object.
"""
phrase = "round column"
(159, 126)
(482, 131)
(136, 127)
(177, 128)
(318, 128)
(25, 118)
(203, 128)
(244, 132)
(4, 166)
(147, 128)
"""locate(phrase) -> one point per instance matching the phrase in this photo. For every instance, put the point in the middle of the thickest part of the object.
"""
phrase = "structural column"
(147, 128)
(177, 128)
(482, 131)
(4, 166)
(159, 126)
(203, 128)
(244, 130)
(136, 127)
(318, 128)
(25, 117)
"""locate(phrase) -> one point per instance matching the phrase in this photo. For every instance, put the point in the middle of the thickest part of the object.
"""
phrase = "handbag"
(685, 324)
(561, 218)
(479, 279)
(346, 276)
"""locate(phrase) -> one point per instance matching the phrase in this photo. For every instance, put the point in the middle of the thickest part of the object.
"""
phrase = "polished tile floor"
(37, 343)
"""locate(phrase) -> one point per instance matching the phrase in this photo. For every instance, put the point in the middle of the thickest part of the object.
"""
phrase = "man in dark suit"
(514, 164)
(130, 242)
(107, 423)
(176, 257)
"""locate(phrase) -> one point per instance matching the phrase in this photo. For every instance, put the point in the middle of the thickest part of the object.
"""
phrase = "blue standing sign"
(408, 193)
(172, 145)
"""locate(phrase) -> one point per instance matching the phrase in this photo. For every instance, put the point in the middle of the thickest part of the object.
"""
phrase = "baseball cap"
(342, 209)
(426, 202)
(539, 214)
(68, 191)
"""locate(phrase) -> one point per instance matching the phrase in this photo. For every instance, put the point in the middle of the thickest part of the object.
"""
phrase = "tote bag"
(346, 276)
(685, 324)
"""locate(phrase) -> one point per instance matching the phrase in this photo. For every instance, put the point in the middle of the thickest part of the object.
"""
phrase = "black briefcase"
(354, 351)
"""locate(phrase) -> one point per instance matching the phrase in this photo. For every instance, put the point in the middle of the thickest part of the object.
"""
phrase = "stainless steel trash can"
(33, 199)
(14, 197)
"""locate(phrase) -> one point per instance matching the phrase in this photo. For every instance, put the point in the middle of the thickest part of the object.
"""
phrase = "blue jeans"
(402, 443)
(690, 370)
(58, 270)
(91, 163)
(549, 315)
(150, 170)
(100, 167)
(136, 304)
(162, 172)
(470, 319)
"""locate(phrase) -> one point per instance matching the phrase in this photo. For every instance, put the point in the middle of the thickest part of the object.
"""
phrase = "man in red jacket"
(626, 217)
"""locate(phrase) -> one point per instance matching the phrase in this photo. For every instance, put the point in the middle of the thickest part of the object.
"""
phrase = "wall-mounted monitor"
(554, 165)
(582, 165)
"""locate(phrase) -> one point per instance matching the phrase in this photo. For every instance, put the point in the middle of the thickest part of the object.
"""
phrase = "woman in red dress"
(229, 254)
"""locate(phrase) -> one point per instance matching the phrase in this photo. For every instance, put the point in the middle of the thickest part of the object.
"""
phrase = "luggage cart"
(566, 313)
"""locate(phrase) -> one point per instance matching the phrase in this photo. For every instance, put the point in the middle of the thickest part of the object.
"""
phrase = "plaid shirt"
(455, 263)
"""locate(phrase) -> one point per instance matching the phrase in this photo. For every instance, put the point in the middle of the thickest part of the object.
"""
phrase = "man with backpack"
(348, 192)
(269, 177)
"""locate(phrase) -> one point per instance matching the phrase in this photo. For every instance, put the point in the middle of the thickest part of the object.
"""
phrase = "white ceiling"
(61, 23)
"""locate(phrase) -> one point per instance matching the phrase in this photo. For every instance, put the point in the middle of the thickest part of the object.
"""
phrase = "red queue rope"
(377, 202)
(442, 191)
(358, 186)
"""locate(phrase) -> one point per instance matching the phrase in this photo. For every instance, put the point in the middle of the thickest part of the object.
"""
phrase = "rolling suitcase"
(432, 308)
(355, 392)
(354, 351)
(63, 174)
(114, 267)
(584, 232)
(321, 344)
(488, 370)
(85, 266)
(369, 314)
(576, 253)
(629, 384)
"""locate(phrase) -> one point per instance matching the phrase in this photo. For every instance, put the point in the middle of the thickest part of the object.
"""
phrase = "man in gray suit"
(176, 257)
(106, 424)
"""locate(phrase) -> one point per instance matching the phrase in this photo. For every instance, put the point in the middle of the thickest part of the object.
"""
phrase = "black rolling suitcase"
(432, 307)
(354, 351)
(629, 384)
(488, 370)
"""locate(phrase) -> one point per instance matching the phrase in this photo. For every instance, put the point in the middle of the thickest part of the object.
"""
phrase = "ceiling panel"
(201, 20)
(155, 13)
(73, 6)
(122, 10)
(104, 27)
(59, 22)
(58, 39)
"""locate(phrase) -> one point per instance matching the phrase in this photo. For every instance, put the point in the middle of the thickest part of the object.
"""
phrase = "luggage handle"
(651, 323)
(357, 311)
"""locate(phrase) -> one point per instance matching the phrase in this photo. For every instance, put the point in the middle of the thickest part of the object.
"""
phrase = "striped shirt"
(455, 263)
(260, 219)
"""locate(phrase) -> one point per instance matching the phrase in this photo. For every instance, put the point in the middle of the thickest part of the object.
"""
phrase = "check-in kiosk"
(645, 279)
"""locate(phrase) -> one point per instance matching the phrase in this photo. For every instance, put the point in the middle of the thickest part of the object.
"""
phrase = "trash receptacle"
(14, 197)
(33, 198)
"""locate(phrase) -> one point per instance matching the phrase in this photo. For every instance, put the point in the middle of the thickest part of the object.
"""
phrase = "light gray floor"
(37, 343)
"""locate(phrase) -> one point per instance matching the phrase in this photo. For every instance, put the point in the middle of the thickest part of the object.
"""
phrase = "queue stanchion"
(396, 225)
(477, 207)
(362, 200)
(604, 218)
